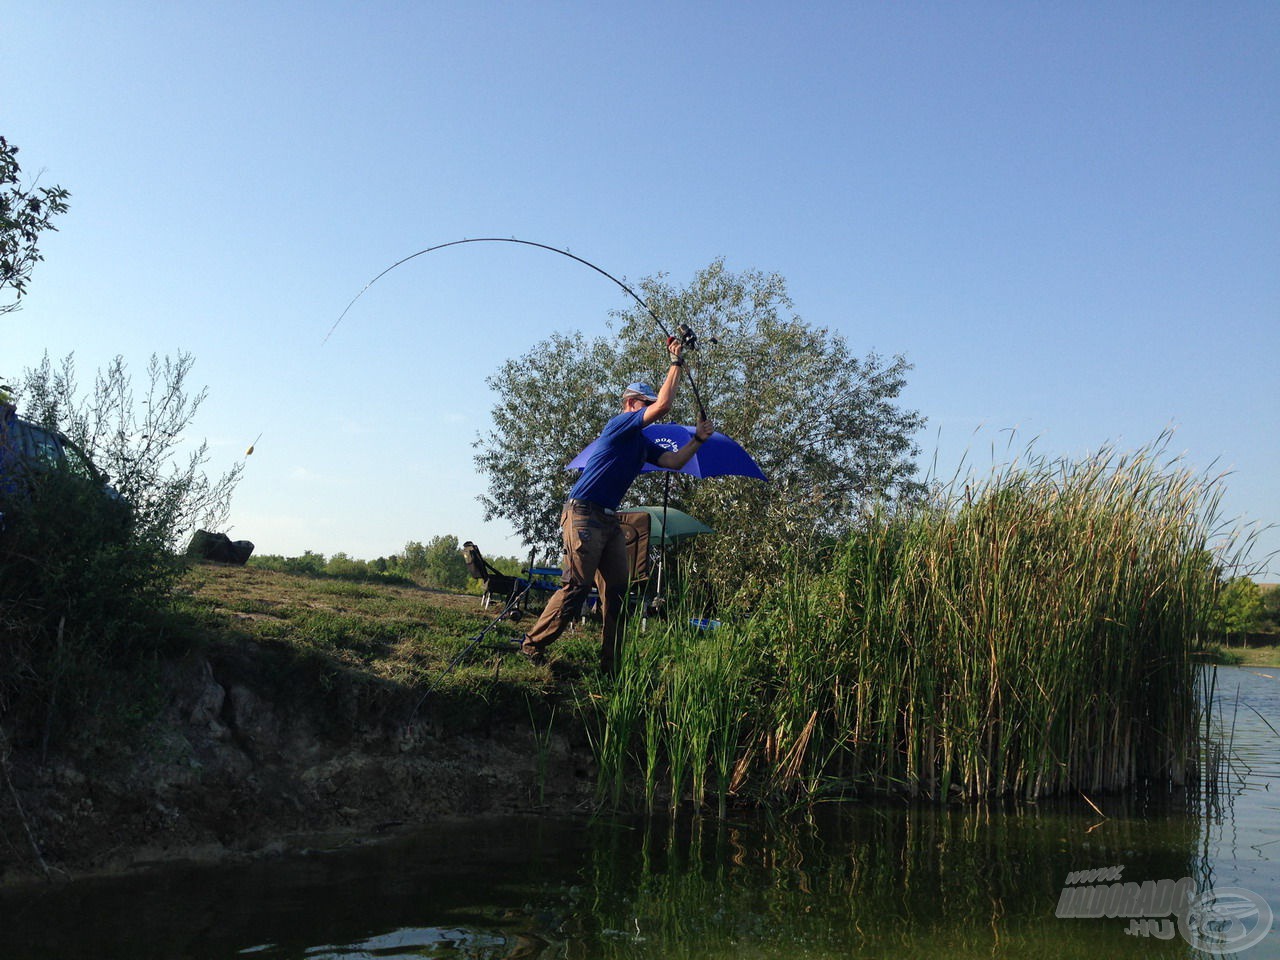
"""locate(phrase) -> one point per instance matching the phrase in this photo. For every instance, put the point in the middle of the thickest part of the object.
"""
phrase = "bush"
(81, 585)
(337, 567)
(1239, 609)
(1270, 619)
(140, 445)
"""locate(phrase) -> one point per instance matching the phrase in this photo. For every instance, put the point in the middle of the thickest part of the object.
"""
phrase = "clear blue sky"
(1065, 215)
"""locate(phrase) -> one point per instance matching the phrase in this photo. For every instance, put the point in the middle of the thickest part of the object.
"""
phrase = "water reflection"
(850, 880)
(843, 881)
(873, 881)
(1240, 840)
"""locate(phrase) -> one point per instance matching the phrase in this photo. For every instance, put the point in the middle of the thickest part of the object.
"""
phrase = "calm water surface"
(853, 880)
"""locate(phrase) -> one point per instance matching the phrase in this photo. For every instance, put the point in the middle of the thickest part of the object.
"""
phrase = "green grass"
(1266, 657)
(1039, 632)
(399, 638)
(1032, 634)
(674, 713)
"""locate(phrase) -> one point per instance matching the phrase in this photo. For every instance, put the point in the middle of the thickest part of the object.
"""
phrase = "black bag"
(218, 547)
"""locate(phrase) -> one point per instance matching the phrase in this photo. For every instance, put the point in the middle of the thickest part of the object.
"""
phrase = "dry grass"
(401, 635)
(1039, 632)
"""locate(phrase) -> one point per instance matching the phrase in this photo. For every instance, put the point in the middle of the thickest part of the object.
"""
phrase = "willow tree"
(25, 213)
(824, 424)
(138, 439)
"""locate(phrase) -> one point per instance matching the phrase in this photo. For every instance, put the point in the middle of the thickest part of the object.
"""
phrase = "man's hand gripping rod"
(689, 339)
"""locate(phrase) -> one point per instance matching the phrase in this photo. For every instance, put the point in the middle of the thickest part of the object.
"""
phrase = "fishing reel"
(686, 336)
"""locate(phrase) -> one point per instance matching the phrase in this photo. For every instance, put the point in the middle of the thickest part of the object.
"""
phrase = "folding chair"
(496, 583)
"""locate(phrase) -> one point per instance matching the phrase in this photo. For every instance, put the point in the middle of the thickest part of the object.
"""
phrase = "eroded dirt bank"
(247, 760)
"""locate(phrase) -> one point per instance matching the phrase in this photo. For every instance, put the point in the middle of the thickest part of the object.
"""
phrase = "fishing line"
(686, 335)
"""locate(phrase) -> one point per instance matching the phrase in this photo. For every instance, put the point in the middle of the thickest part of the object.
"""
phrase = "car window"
(78, 462)
(39, 444)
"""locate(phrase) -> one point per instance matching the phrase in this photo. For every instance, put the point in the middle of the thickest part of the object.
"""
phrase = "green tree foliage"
(81, 586)
(1240, 607)
(445, 567)
(309, 564)
(437, 563)
(824, 424)
(25, 213)
(553, 402)
(1270, 619)
(343, 566)
(138, 440)
(413, 561)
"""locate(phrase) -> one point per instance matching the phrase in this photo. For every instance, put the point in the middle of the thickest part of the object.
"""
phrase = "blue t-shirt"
(620, 452)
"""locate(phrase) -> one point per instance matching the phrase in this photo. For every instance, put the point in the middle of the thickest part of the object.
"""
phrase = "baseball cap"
(639, 389)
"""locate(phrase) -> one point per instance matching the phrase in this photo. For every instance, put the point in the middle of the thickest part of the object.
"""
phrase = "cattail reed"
(1030, 634)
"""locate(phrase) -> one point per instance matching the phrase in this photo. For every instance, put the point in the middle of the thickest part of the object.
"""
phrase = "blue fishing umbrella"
(719, 455)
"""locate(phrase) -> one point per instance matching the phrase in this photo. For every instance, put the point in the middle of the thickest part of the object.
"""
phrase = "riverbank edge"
(244, 762)
(1266, 657)
(234, 770)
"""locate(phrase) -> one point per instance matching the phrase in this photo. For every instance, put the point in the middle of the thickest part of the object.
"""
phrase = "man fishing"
(593, 538)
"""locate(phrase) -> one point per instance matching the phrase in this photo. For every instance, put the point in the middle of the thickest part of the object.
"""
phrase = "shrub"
(80, 587)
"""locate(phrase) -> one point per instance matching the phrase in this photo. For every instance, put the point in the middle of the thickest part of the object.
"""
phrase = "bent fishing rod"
(684, 332)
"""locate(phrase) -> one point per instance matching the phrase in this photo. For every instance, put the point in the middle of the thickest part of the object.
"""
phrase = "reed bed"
(1031, 634)
(676, 714)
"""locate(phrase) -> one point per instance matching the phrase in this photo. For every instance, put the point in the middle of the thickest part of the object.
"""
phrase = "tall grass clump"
(1032, 633)
(675, 714)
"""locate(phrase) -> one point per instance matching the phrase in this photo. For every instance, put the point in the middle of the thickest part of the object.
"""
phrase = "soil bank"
(244, 761)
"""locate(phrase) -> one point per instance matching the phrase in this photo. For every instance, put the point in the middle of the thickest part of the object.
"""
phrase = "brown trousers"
(595, 548)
